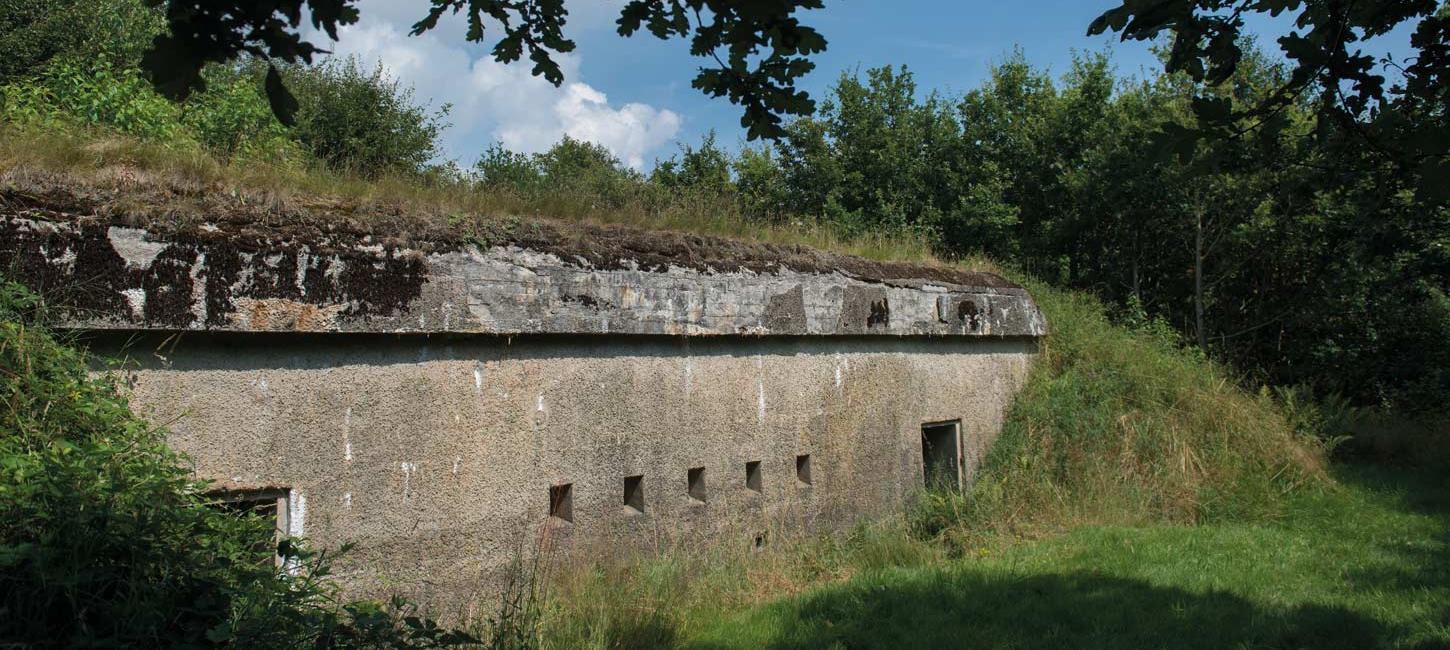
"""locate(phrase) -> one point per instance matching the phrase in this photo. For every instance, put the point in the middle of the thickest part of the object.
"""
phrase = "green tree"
(35, 33)
(704, 169)
(1349, 88)
(760, 184)
(363, 121)
(759, 48)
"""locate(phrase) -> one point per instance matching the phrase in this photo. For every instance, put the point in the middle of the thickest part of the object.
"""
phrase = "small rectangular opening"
(941, 455)
(634, 493)
(270, 505)
(752, 476)
(561, 502)
(695, 484)
(803, 468)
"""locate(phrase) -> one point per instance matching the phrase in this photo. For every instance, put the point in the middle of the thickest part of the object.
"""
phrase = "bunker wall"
(436, 455)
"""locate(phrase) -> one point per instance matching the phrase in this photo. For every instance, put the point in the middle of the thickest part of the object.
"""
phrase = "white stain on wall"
(408, 470)
(346, 429)
(296, 513)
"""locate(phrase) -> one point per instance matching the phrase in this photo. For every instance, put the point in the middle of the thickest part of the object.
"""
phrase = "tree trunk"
(1198, 277)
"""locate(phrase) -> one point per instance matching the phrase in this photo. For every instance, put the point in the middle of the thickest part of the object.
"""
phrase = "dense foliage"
(1394, 109)
(106, 540)
(1300, 261)
(80, 67)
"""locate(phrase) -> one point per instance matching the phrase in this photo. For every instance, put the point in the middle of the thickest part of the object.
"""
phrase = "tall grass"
(1125, 425)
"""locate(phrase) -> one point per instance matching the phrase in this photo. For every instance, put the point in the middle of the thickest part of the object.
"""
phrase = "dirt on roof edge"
(168, 207)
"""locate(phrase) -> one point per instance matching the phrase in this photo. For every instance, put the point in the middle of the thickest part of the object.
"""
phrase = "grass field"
(1364, 564)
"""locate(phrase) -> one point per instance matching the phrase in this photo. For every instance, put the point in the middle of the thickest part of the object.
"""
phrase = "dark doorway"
(941, 455)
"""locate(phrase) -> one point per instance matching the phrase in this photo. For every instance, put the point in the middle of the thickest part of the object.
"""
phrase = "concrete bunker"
(441, 404)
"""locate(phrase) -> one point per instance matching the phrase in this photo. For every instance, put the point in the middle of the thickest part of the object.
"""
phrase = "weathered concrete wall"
(436, 456)
(420, 399)
(115, 277)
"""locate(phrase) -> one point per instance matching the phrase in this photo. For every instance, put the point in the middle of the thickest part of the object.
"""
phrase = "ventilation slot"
(634, 494)
(561, 502)
(695, 484)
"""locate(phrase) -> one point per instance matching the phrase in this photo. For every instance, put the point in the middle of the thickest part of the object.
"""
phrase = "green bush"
(35, 33)
(362, 121)
(106, 541)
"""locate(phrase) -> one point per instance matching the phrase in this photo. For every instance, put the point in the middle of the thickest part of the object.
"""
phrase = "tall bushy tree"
(362, 120)
(877, 157)
(705, 168)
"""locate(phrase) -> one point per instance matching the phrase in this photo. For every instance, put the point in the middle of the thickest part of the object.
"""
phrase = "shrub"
(34, 33)
(93, 95)
(362, 121)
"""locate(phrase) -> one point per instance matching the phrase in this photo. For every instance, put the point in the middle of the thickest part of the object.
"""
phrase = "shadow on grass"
(963, 609)
(1419, 564)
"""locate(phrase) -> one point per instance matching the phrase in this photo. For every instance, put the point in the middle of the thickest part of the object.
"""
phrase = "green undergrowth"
(107, 541)
(1119, 423)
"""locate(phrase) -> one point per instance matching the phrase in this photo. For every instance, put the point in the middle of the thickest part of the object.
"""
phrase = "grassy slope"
(1364, 565)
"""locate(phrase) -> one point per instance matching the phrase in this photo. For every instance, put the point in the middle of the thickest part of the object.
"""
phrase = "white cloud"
(496, 102)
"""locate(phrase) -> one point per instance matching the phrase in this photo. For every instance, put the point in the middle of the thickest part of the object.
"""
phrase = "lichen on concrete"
(120, 277)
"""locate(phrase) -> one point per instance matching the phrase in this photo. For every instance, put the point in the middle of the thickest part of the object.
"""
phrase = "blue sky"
(634, 96)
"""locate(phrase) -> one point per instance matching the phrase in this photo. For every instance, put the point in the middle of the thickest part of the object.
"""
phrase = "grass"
(1363, 565)
(161, 181)
(1360, 563)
